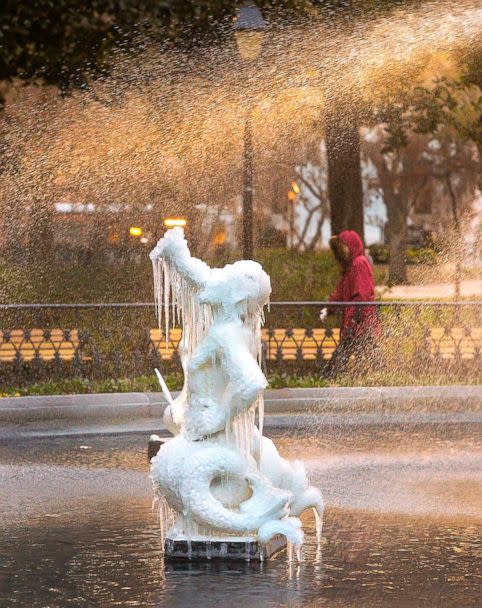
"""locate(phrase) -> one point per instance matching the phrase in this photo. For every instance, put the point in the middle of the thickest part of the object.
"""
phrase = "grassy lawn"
(294, 277)
(149, 383)
(141, 384)
(303, 276)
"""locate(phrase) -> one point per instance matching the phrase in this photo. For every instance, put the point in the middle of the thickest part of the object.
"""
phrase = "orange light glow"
(170, 222)
(295, 187)
(135, 231)
(291, 195)
(219, 238)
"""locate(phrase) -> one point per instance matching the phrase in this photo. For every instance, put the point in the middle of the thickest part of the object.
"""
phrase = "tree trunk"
(458, 236)
(397, 228)
(344, 173)
(40, 240)
(397, 212)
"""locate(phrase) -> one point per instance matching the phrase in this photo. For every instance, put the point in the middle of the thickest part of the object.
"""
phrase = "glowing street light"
(293, 198)
(135, 231)
(293, 193)
(171, 222)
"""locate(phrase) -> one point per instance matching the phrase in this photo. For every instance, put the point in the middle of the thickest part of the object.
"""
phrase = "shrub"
(423, 255)
(380, 253)
(309, 275)
(415, 255)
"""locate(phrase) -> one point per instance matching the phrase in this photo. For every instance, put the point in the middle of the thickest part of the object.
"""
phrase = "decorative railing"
(39, 342)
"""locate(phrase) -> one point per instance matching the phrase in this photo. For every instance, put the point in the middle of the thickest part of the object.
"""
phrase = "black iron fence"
(98, 341)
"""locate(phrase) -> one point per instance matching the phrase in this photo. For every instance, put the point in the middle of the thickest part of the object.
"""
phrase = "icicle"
(229, 432)
(318, 525)
(246, 549)
(260, 406)
(293, 551)
(166, 517)
(318, 555)
(241, 432)
(289, 551)
(155, 277)
(158, 279)
(167, 298)
(173, 298)
(299, 553)
(161, 292)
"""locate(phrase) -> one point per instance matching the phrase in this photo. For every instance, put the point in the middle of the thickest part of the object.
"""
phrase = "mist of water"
(165, 128)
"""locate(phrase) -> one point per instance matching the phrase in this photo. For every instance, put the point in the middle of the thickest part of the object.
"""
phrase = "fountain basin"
(402, 522)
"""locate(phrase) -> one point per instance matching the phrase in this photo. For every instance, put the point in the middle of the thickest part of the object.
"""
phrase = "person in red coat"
(360, 325)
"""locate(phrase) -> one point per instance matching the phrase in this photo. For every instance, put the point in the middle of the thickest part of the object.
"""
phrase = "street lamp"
(248, 32)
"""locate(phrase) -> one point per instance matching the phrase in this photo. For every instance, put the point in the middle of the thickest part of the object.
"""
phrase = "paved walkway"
(430, 291)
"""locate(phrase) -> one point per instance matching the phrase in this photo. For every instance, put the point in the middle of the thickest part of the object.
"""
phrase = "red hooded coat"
(356, 285)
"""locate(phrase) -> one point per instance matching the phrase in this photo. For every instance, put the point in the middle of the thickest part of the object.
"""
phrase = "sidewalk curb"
(131, 406)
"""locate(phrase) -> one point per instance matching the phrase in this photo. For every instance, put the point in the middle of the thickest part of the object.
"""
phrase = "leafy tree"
(62, 41)
(452, 113)
(453, 107)
(66, 43)
(449, 114)
(402, 175)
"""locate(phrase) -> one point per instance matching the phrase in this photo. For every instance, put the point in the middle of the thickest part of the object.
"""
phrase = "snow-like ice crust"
(219, 476)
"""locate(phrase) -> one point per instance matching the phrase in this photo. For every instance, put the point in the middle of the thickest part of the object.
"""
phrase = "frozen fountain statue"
(224, 490)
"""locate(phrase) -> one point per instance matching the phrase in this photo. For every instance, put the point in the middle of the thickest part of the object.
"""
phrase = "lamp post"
(248, 31)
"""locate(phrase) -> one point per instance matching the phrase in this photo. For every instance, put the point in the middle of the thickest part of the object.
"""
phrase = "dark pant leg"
(340, 358)
(360, 354)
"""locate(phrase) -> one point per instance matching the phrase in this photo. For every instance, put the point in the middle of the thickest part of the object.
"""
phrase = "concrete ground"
(430, 291)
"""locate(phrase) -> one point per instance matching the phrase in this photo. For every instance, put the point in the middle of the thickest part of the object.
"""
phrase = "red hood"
(353, 242)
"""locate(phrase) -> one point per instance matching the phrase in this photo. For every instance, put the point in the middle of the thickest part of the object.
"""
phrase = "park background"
(119, 116)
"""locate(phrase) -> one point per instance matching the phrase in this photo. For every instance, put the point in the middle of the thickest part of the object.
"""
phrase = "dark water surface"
(402, 525)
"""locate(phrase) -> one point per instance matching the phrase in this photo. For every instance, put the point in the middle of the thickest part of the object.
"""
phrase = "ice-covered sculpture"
(219, 477)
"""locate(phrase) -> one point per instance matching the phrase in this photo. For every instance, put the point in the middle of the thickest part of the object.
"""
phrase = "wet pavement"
(402, 525)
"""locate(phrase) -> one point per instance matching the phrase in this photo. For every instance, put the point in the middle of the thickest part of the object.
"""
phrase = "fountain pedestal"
(229, 548)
